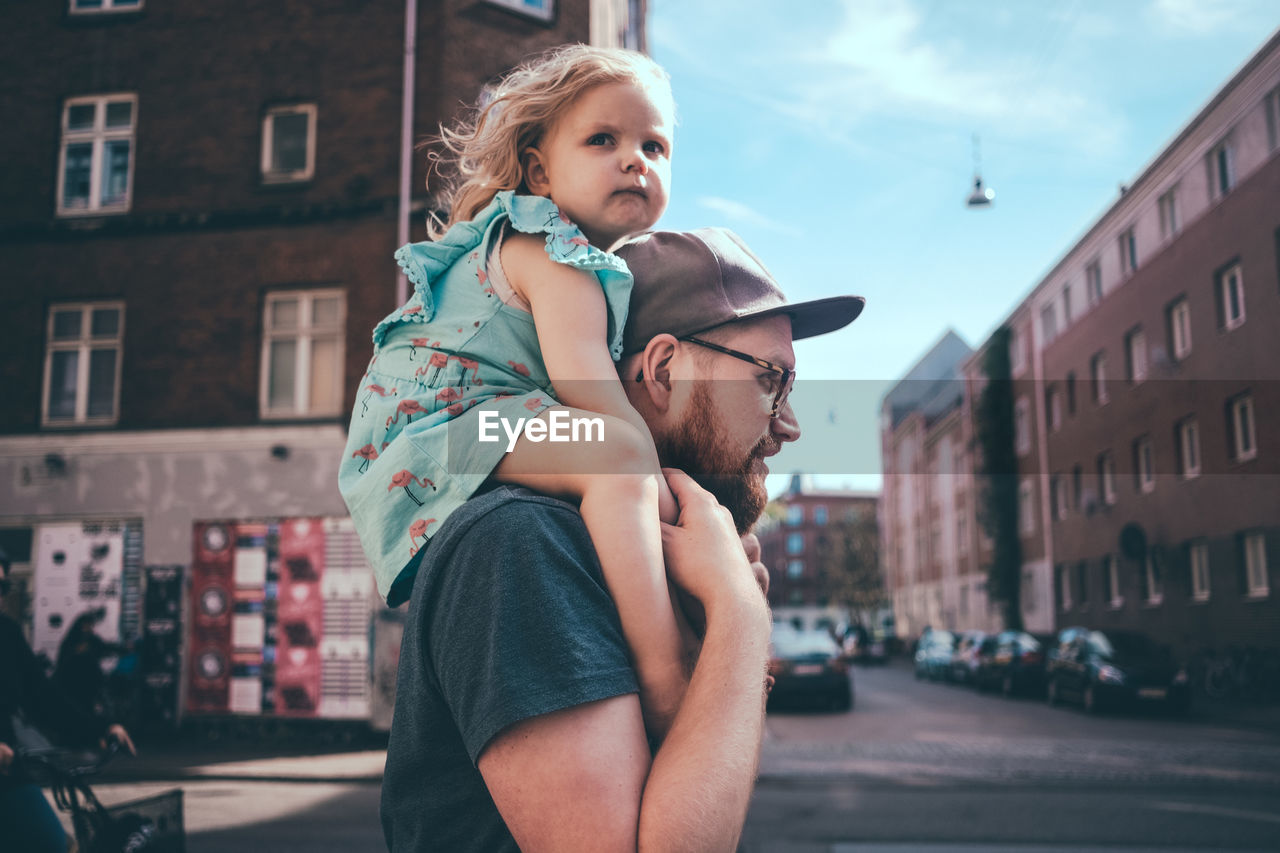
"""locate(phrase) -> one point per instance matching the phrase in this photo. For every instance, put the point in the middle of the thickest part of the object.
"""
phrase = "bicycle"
(146, 825)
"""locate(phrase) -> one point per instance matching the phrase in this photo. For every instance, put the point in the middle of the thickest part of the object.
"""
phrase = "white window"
(1152, 580)
(289, 143)
(819, 515)
(795, 543)
(87, 6)
(1231, 286)
(1169, 214)
(1053, 405)
(1017, 351)
(1066, 305)
(1021, 427)
(1107, 478)
(82, 363)
(1273, 118)
(302, 353)
(1189, 448)
(1026, 509)
(1221, 166)
(1255, 565)
(1198, 557)
(1112, 573)
(95, 162)
(1128, 252)
(1144, 465)
(1058, 494)
(1135, 349)
(795, 515)
(1244, 439)
(1049, 322)
(1093, 282)
(795, 569)
(1064, 587)
(1098, 377)
(1180, 328)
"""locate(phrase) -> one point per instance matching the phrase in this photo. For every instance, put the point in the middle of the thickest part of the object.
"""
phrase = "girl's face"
(606, 162)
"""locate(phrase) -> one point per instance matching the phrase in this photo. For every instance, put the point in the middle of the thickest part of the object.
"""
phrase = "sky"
(838, 141)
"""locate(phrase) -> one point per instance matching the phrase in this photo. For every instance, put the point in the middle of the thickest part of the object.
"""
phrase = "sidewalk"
(177, 758)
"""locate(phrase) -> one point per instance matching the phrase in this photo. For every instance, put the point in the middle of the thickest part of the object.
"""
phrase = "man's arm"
(581, 779)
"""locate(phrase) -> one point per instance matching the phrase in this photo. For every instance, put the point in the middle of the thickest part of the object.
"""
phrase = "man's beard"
(694, 447)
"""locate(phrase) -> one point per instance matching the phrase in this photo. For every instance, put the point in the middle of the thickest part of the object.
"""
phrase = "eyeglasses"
(786, 376)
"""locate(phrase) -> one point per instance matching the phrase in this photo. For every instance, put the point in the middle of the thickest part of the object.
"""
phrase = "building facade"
(197, 231)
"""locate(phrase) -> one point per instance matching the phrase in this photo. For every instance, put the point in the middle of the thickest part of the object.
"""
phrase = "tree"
(849, 566)
(998, 507)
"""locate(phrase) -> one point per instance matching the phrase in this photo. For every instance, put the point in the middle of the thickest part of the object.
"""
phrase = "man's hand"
(751, 545)
(6, 758)
(117, 733)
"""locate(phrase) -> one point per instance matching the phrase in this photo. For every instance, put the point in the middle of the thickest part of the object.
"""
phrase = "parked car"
(1117, 668)
(864, 646)
(933, 654)
(1013, 662)
(808, 665)
(964, 658)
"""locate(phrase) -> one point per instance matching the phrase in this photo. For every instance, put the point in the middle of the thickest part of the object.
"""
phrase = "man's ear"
(535, 172)
(655, 367)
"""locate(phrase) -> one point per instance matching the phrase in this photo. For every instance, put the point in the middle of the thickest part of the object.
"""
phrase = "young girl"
(570, 157)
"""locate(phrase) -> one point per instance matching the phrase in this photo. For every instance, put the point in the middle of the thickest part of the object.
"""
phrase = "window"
(795, 569)
(1066, 305)
(1021, 427)
(795, 515)
(1058, 497)
(1017, 351)
(1071, 393)
(96, 158)
(795, 543)
(1221, 166)
(820, 515)
(1255, 565)
(962, 532)
(1077, 486)
(1064, 587)
(1144, 465)
(1053, 408)
(1112, 573)
(289, 143)
(1082, 582)
(85, 6)
(1049, 322)
(1168, 204)
(82, 363)
(1230, 287)
(1098, 377)
(541, 10)
(1180, 328)
(1026, 509)
(1188, 449)
(1093, 282)
(1135, 356)
(302, 353)
(1128, 252)
(1273, 118)
(1198, 559)
(1152, 582)
(1243, 438)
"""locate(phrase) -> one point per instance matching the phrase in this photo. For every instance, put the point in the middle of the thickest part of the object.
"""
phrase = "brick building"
(800, 542)
(1144, 371)
(199, 215)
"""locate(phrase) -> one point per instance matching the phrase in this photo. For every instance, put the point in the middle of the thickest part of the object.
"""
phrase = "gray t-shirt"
(509, 619)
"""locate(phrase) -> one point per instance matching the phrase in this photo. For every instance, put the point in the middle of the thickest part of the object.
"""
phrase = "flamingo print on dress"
(415, 343)
(448, 395)
(368, 453)
(485, 287)
(468, 364)
(373, 388)
(405, 479)
(409, 408)
(416, 530)
(537, 404)
(522, 369)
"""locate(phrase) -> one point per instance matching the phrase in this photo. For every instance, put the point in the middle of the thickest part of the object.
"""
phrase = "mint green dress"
(453, 350)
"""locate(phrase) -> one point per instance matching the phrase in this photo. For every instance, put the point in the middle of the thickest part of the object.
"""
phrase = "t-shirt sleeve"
(521, 623)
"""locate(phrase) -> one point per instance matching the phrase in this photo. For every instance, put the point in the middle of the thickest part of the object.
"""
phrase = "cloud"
(1202, 17)
(742, 214)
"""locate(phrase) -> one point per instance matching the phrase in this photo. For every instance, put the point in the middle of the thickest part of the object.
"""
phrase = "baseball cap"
(690, 281)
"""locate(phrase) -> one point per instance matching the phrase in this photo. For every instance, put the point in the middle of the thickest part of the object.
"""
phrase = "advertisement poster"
(79, 567)
(209, 659)
(300, 617)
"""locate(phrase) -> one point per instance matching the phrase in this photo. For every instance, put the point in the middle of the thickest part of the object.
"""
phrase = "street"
(914, 765)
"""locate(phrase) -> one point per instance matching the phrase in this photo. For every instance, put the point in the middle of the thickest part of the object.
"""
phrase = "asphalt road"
(914, 767)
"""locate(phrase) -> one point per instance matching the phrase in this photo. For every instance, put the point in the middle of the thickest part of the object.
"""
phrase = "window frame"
(795, 544)
(1188, 435)
(305, 334)
(1053, 407)
(108, 7)
(97, 138)
(1144, 464)
(1235, 406)
(1180, 341)
(1098, 377)
(1022, 426)
(1111, 571)
(1093, 282)
(795, 569)
(1058, 496)
(1026, 509)
(1198, 566)
(1049, 321)
(1064, 587)
(1017, 351)
(1135, 356)
(1107, 477)
(1220, 164)
(296, 176)
(1271, 103)
(1256, 571)
(1153, 579)
(1232, 275)
(1168, 209)
(83, 345)
(1128, 251)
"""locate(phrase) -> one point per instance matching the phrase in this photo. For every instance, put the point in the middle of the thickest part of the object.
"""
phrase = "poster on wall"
(78, 567)
(299, 617)
(209, 649)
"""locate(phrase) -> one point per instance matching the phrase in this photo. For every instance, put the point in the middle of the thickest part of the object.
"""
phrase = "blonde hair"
(483, 150)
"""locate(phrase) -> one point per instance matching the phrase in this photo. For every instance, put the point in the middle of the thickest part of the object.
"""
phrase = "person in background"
(80, 655)
(27, 696)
